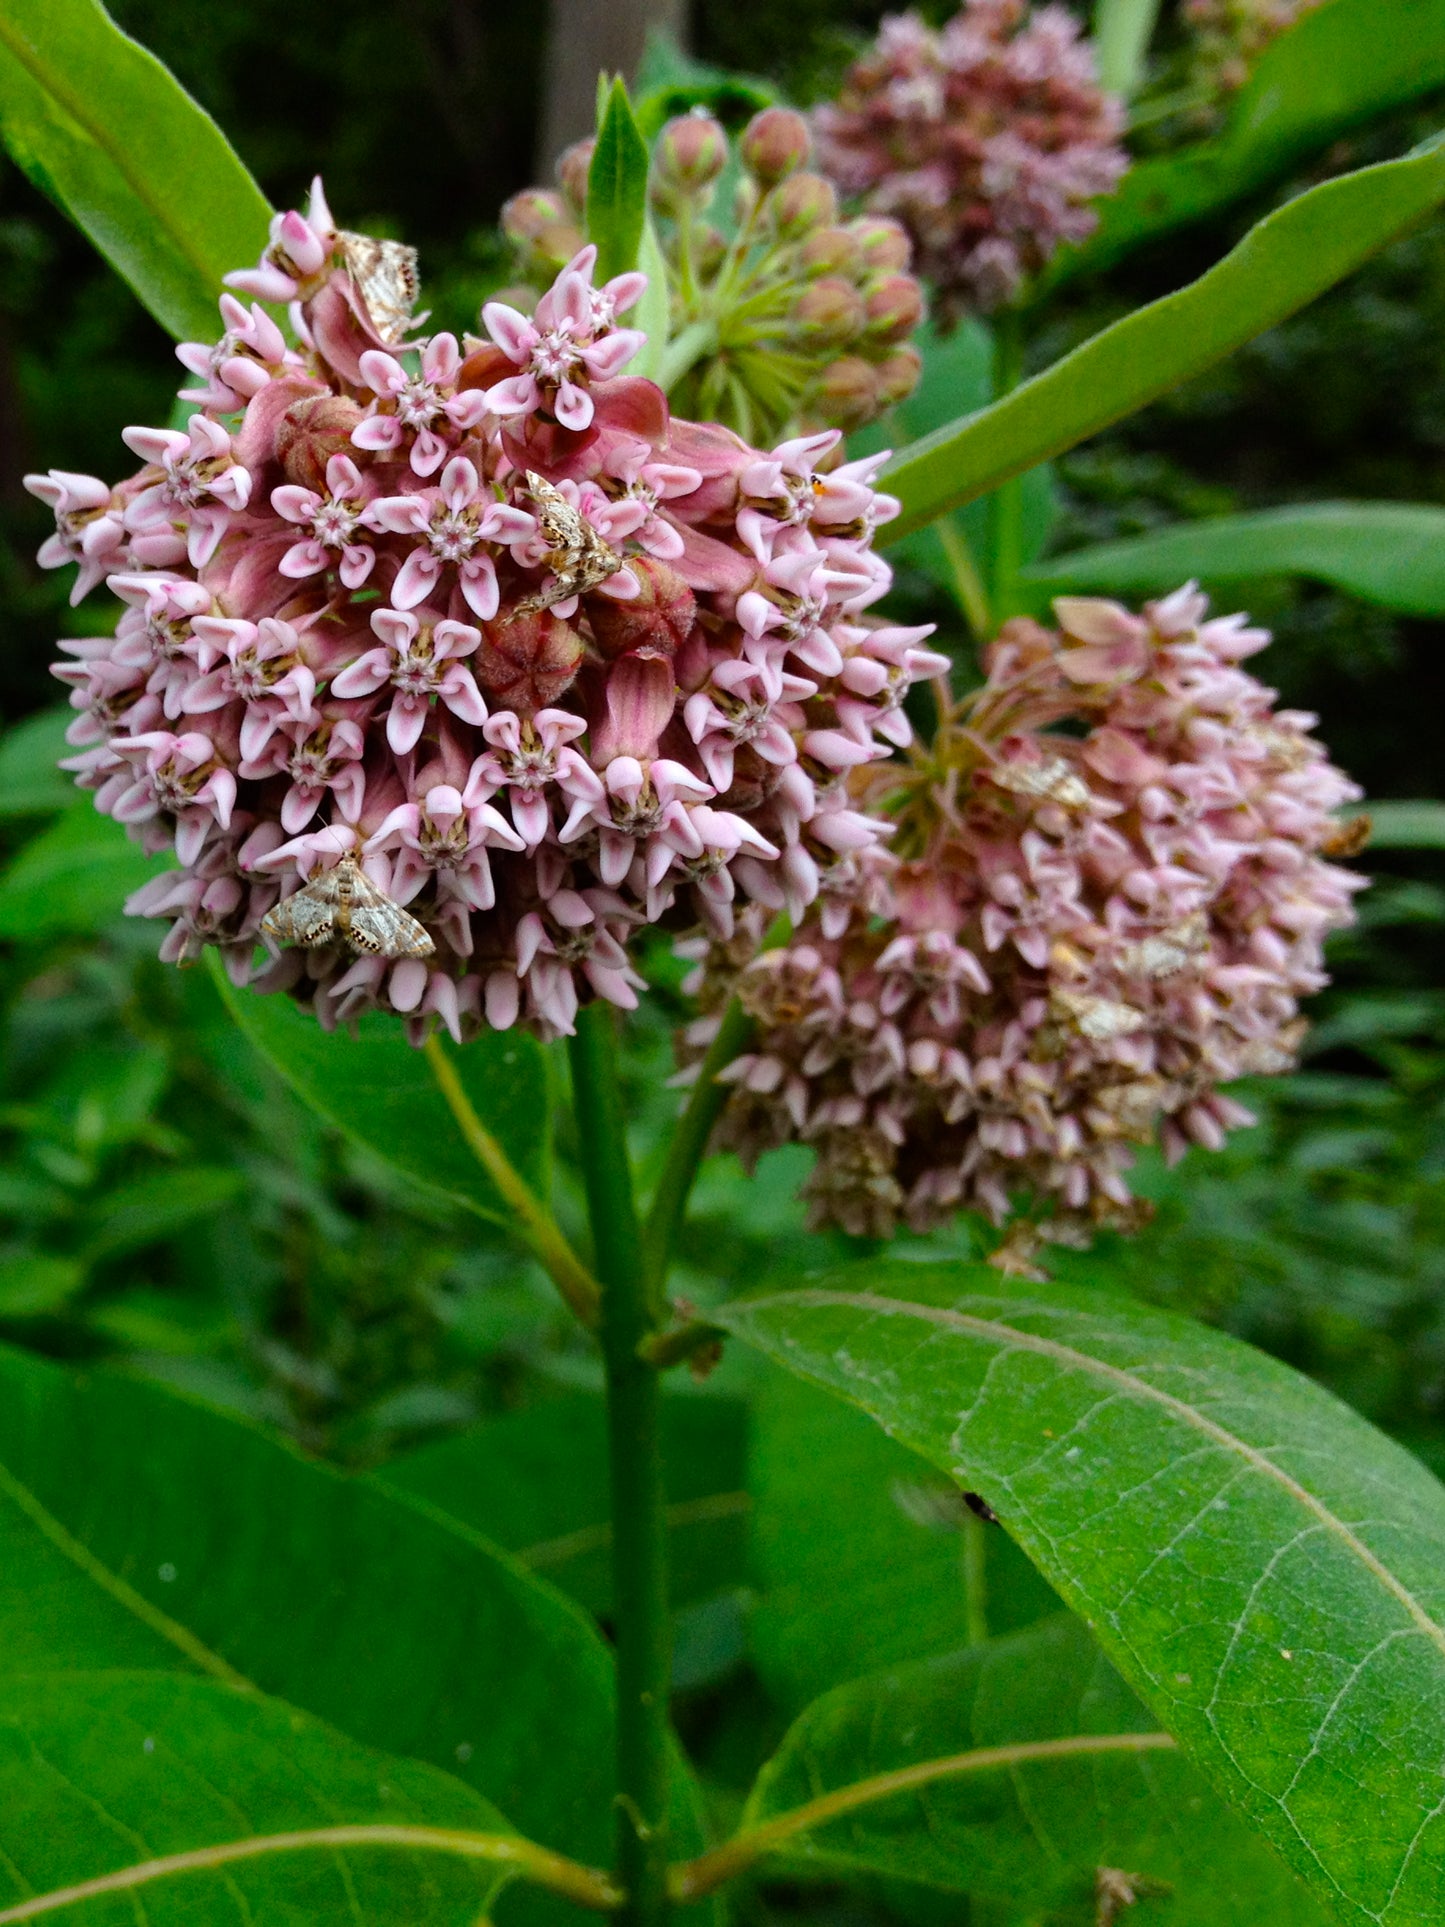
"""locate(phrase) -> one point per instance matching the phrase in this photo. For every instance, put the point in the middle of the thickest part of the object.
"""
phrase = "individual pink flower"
(258, 664)
(89, 527)
(334, 521)
(456, 522)
(417, 407)
(200, 478)
(250, 353)
(567, 343)
(422, 662)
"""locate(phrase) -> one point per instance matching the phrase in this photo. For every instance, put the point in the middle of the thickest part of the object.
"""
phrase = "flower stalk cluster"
(783, 312)
(988, 139)
(1074, 941)
(538, 660)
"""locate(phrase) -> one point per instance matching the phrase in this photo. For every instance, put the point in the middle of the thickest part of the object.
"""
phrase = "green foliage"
(1025, 1833)
(66, 882)
(1385, 552)
(381, 1091)
(1234, 1537)
(1292, 255)
(101, 1771)
(617, 185)
(1338, 66)
(101, 127)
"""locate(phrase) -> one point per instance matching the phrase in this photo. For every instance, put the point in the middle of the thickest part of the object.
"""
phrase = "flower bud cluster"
(987, 139)
(1074, 942)
(1226, 38)
(542, 662)
(794, 314)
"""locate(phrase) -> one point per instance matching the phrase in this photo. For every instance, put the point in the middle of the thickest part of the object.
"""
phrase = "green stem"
(1007, 508)
(690, 345)
(1122, 32)
(639, 1543)
(968, 586)
(689, 1141)
(534, 1222)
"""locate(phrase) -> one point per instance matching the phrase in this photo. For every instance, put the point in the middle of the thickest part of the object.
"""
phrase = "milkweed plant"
(471, 682)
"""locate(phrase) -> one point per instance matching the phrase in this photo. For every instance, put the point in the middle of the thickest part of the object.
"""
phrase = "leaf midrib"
(97, 133)
(111, 1583)
(1137, 1388)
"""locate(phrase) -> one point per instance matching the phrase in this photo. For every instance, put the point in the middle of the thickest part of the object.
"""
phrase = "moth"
(343, 905)
(576, 554)
(386, 279)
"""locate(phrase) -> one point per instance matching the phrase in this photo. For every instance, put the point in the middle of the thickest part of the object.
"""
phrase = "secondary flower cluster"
(1228, 36)
(481, 618)
(1075, 940)
(792, 314)
(987, 139)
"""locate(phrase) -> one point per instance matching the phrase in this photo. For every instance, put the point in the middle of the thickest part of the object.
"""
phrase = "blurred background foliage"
(167, 1204)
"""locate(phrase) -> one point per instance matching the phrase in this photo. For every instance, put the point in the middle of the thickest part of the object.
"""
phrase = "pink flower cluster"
(987, 139)
(1075, 941)
(1228, 36)
(548, 663)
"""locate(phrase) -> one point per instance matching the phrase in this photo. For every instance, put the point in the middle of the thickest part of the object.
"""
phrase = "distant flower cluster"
(1074, 941)
(478, 627)
(988, 139)
(797, 315)
(1228, 36)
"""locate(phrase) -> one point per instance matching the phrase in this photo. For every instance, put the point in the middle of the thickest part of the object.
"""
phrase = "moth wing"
(385, 273)
(307, 918)
(382, 928)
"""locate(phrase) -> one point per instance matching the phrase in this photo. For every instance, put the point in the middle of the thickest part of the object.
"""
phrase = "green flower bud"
(897, 375)
(572, 170)
(691, 152)
(895, 308)
(829, 314)
(831, 250)
(800, 204)
(848, 392)
(774, 143)
(884, 244)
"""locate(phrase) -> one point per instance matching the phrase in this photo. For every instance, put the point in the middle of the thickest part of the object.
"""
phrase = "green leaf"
(651, 311)
(617, 187)
(1237, 1539)
(381, 1092)
(1122, 32)
(30, 783)
(152, 1208)
(1391, 553)
(138, 1529)
(33, 1283)
(1407, 826)
(536, 1483)
(100, 126)
(1030, 1830)
(72, 879)
(1294, 254)
(1338, 67)
(103, 1771)
(858, 1551)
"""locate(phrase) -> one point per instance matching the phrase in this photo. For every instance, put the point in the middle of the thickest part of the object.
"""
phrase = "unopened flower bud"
(532, 214)
(830, 313)
(897, 375)
(881, 242)
(895, 308)
(572, 171)
(774, 143)
(527, 660)
(831, 250)
(800, 204)
(691, 152)
(660, 618)
(311, 432)
(847, 391)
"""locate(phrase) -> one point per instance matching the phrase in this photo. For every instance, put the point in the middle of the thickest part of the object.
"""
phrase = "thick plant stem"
(639, 1545)
(689, 1142)
(1007, 508)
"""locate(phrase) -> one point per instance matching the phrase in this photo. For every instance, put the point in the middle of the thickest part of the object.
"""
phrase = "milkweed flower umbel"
(482, 618)
(988, 139)
(1074, 941)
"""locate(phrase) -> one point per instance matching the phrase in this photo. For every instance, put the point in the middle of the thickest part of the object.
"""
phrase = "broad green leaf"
(33, 1283)
(100, 126)
(617, 187)
(1122, 32)
(1291, 256)
(1392, 553)
(651, 312)
(536, 1483)
(669, 82)
(149, 1209)
(1030, 1830)
(72, 879)
(138, 1529)
(1339, 67)
(1407, 826)
(1236, 1538)
(858, 1551)
(103, 1771)
(30, 783)
(381, 1092)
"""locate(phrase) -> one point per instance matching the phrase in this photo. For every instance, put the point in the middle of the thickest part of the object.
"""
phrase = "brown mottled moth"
(343, 905)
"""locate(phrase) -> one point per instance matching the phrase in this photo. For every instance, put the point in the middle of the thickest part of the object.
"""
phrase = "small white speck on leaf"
(464, 1751)
(1285, 1653)
(1073, 1451)
(1184, 1679)
(148, 1745)
(166, 1573)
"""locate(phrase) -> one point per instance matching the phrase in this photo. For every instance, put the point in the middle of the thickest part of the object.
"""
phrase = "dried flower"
(1074, 942)
(479, 629)
(794, 315)
(987, 139)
